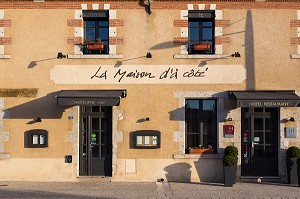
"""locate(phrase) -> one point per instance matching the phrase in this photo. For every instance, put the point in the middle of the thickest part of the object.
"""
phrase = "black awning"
(204, 14)
(265, 98)
(95, 14)
(90, 97)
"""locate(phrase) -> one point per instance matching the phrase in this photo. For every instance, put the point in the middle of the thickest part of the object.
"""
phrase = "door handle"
(253, 143)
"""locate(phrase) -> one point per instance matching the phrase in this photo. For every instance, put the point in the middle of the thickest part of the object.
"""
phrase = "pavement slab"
(141, 190)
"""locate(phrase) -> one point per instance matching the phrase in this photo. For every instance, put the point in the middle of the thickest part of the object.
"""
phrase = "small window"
(201, 123)
(36, 138)
(201, 26)
(96, 31)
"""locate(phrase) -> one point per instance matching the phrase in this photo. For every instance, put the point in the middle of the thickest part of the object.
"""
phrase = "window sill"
(186, 56)
(4, 56)
(198, 156)
(4, 156)
(115, 56)
(295, 56)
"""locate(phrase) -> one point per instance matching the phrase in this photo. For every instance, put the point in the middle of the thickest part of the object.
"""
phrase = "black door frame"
(89, 165)
(246, 164)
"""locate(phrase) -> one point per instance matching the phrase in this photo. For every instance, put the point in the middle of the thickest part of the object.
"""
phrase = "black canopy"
(265, 98)
(90, 97)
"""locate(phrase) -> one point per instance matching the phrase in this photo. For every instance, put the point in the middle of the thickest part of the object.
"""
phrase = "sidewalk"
(143, 190)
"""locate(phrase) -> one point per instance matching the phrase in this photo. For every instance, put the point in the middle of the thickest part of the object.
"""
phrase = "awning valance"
(90, 97)
(95, 14)
(265, 98)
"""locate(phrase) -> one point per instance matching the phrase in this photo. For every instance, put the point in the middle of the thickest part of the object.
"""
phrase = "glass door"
(260, 141)
(95, 141)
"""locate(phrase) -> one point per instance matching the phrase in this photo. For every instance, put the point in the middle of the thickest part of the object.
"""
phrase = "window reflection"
(201, 123)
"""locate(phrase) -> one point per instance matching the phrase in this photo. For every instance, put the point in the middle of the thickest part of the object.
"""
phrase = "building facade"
(125, 89)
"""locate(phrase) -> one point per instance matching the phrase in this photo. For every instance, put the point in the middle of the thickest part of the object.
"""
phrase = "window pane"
(95, 152)
(269, 137)
(103, 33)
(103, 23)
(201, 123)
(193, 24)
(104, 124)
(105, 43)
(84, 137)
(95, 109)
(95, 124)
(104, 137)
(192, 140)
(192, 104)
(90, 34)
(192, 125)
(209, 105)
(268, 124)
(90, 23)
(207, 24)
(207, 34)
(194, 34)
(84, 124)
(258, 123)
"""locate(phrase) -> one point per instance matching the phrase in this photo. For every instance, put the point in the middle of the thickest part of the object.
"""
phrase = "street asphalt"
(109, 190)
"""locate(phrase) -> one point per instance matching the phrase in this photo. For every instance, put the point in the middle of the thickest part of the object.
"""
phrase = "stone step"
(94, 179)
(271, 179)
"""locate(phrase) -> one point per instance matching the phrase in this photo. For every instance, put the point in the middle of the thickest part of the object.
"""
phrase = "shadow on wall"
(228, 104)
(146, 6)
(165, 45)
(210, 170)
(45, 107)
(177, 114)
(249, 52)
(178, 172)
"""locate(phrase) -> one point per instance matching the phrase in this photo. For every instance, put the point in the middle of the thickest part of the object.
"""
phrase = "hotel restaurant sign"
(267, 103)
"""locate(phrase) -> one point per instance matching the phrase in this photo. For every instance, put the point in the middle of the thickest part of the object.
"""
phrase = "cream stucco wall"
(261, 36)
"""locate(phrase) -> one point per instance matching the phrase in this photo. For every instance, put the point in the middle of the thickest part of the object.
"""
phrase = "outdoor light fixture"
(229, 119)
(150, 8)
(292, 119)
(60, 55)
(149, 55)
(38, 119)
(236, 54)
(143, 120)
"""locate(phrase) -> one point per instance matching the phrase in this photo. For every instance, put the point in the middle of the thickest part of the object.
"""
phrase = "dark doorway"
(95, 140)
(260, 141)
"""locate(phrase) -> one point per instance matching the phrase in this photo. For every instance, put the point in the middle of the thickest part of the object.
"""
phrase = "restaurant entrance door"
(95, 140)
(260, 141)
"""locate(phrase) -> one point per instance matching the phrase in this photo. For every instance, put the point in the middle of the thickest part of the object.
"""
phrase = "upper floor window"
(201, 32)
(96, 31)
(201, 123)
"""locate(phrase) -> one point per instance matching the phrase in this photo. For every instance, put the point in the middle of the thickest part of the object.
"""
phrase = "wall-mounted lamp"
(229, 119)
(60, 55)
(292, 119)
(149, 7)
(148, 55)
(236, 54)
(38, 119)
(143, 120)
